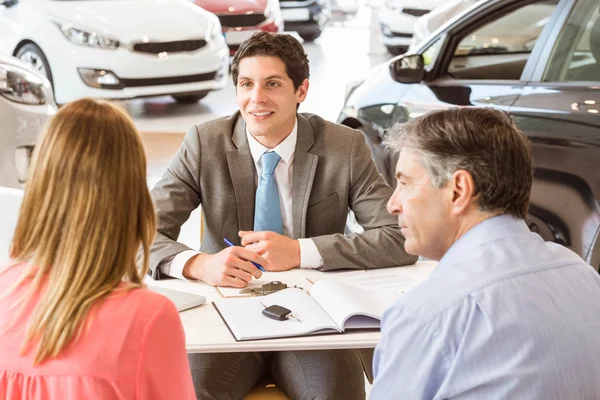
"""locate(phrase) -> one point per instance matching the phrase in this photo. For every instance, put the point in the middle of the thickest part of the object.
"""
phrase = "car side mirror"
(8, 3)
(409, 68)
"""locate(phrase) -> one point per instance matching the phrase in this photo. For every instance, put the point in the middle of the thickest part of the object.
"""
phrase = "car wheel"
(189, 98)
(396, 50)
(309, 37)
(34, 56)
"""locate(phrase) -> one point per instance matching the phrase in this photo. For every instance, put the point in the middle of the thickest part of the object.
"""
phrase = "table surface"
(205, 331)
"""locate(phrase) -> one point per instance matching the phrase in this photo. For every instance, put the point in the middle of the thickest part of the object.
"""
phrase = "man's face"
(266, 97)
(424, 212)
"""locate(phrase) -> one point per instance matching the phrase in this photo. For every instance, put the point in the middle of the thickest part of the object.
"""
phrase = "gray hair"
(482, 141)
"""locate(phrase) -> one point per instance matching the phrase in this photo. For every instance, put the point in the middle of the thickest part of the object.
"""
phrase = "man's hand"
(280, 251)
(229, 267)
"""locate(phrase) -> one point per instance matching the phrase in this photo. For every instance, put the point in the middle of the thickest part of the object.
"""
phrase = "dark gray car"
(537, 60)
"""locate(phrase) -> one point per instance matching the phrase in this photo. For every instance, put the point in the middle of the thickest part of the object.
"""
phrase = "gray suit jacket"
(333, 171)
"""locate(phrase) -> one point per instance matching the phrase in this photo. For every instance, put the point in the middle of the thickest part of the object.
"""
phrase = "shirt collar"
(485, 232)
(285, 149)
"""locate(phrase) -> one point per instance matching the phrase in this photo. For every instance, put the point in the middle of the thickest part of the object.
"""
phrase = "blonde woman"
(75, 319)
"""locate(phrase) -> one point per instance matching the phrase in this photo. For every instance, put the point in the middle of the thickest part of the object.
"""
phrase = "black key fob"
(276, 312)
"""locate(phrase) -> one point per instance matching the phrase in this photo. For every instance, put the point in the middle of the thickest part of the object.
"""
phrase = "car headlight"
(22, 86)
(86, 37)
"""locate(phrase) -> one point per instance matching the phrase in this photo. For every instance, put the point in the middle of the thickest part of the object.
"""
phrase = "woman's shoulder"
(140, 298)
(11, 272)
(136, 304)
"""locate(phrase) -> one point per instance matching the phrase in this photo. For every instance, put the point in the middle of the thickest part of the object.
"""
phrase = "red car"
(241, 18)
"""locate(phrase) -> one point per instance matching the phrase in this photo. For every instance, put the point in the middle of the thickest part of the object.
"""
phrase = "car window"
(576, 55)
(500, 48)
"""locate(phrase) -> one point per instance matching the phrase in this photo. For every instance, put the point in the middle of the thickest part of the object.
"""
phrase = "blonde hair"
(85, 212)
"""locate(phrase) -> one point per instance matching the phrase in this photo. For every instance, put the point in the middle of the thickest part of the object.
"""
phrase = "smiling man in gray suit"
(278, 184)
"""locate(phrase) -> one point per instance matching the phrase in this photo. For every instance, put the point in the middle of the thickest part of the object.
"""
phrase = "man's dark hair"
(283, 46)
(483, 141)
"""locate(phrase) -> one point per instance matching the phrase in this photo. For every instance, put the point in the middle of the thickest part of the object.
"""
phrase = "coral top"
(133, 347)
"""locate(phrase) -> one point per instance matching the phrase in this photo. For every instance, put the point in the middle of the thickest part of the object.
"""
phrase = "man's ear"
(302, 91)
(463, 190)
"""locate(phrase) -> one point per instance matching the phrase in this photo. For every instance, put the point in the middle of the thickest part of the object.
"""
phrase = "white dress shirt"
(310, 257)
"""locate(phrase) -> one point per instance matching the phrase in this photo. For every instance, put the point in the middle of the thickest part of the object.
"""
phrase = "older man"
(504, 315)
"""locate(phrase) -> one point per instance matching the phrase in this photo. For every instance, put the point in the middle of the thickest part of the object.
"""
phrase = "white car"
(118, 49)
(428, 23)
(397, 19)
(26, 103)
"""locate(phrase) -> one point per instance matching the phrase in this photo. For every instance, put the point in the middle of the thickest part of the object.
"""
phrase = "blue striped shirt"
(504, 315)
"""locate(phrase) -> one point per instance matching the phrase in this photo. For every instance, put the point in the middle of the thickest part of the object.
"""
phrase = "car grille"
(169, 47)
(172, 80)
(415, 12)
(296, 3)
(234, 21)
(389, 33)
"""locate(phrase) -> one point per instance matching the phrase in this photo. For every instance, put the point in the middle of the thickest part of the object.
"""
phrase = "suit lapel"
(305, 166)
(242, 170)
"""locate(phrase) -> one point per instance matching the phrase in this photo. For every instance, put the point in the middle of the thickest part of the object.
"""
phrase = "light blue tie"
(267, 212)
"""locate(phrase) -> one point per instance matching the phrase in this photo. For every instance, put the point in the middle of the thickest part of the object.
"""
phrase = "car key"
(278, 313)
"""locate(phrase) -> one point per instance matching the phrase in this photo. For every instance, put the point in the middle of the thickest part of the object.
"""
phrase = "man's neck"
(464, 225)
(468, 222)
(270, 142)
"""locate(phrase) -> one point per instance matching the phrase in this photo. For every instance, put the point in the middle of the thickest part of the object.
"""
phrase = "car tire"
(309, 37)
(189, 98)
(396, 50)
(31, 54)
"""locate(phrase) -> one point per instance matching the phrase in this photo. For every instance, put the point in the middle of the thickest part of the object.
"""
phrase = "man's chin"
(256, 130)
(410, 248)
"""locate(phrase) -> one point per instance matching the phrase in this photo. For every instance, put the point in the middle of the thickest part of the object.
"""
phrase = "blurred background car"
(26, 103)
(242, 18)
(307, 17)
(440, 15)
(537, 60)
(397, 19)
(118, 49)
(342, 10)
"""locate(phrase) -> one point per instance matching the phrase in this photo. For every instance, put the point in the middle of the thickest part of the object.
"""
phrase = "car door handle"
(589, 106)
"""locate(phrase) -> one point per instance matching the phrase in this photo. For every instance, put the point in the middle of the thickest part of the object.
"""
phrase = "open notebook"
(331, 307)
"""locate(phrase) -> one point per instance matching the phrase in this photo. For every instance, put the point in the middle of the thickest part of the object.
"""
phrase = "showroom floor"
(340, 55)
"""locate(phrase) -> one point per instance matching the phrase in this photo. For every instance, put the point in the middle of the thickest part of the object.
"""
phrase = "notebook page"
(246, 321)
(342, 301)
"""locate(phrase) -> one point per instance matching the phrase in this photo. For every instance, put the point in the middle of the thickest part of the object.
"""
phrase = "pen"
(257, 265)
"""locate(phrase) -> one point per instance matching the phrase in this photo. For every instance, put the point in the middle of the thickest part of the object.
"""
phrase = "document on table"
(396, 280)
(292, 278)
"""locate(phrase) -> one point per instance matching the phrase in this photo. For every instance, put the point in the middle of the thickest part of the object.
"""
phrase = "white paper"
(397, 280)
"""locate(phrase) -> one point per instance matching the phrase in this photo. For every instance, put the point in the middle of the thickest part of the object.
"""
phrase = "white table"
(205, 331)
